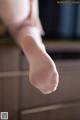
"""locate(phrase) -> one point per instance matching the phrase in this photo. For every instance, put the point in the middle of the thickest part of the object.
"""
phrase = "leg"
(27, 29)
(42, 73)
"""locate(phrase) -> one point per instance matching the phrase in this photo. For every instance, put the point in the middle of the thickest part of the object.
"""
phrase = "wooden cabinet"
(24, 102)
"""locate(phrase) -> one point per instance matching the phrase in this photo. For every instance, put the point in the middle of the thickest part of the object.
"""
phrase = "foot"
(43, 74)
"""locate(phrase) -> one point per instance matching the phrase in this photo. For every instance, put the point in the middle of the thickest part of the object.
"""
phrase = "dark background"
(61, 21)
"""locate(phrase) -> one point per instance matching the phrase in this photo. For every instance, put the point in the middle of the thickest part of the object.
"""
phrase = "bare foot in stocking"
(43, 74)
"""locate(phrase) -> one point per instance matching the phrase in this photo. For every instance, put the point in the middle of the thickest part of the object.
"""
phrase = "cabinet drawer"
(70, 111)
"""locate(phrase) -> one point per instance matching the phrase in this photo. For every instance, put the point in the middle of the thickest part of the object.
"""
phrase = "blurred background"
(60, 20)
(61, 23)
